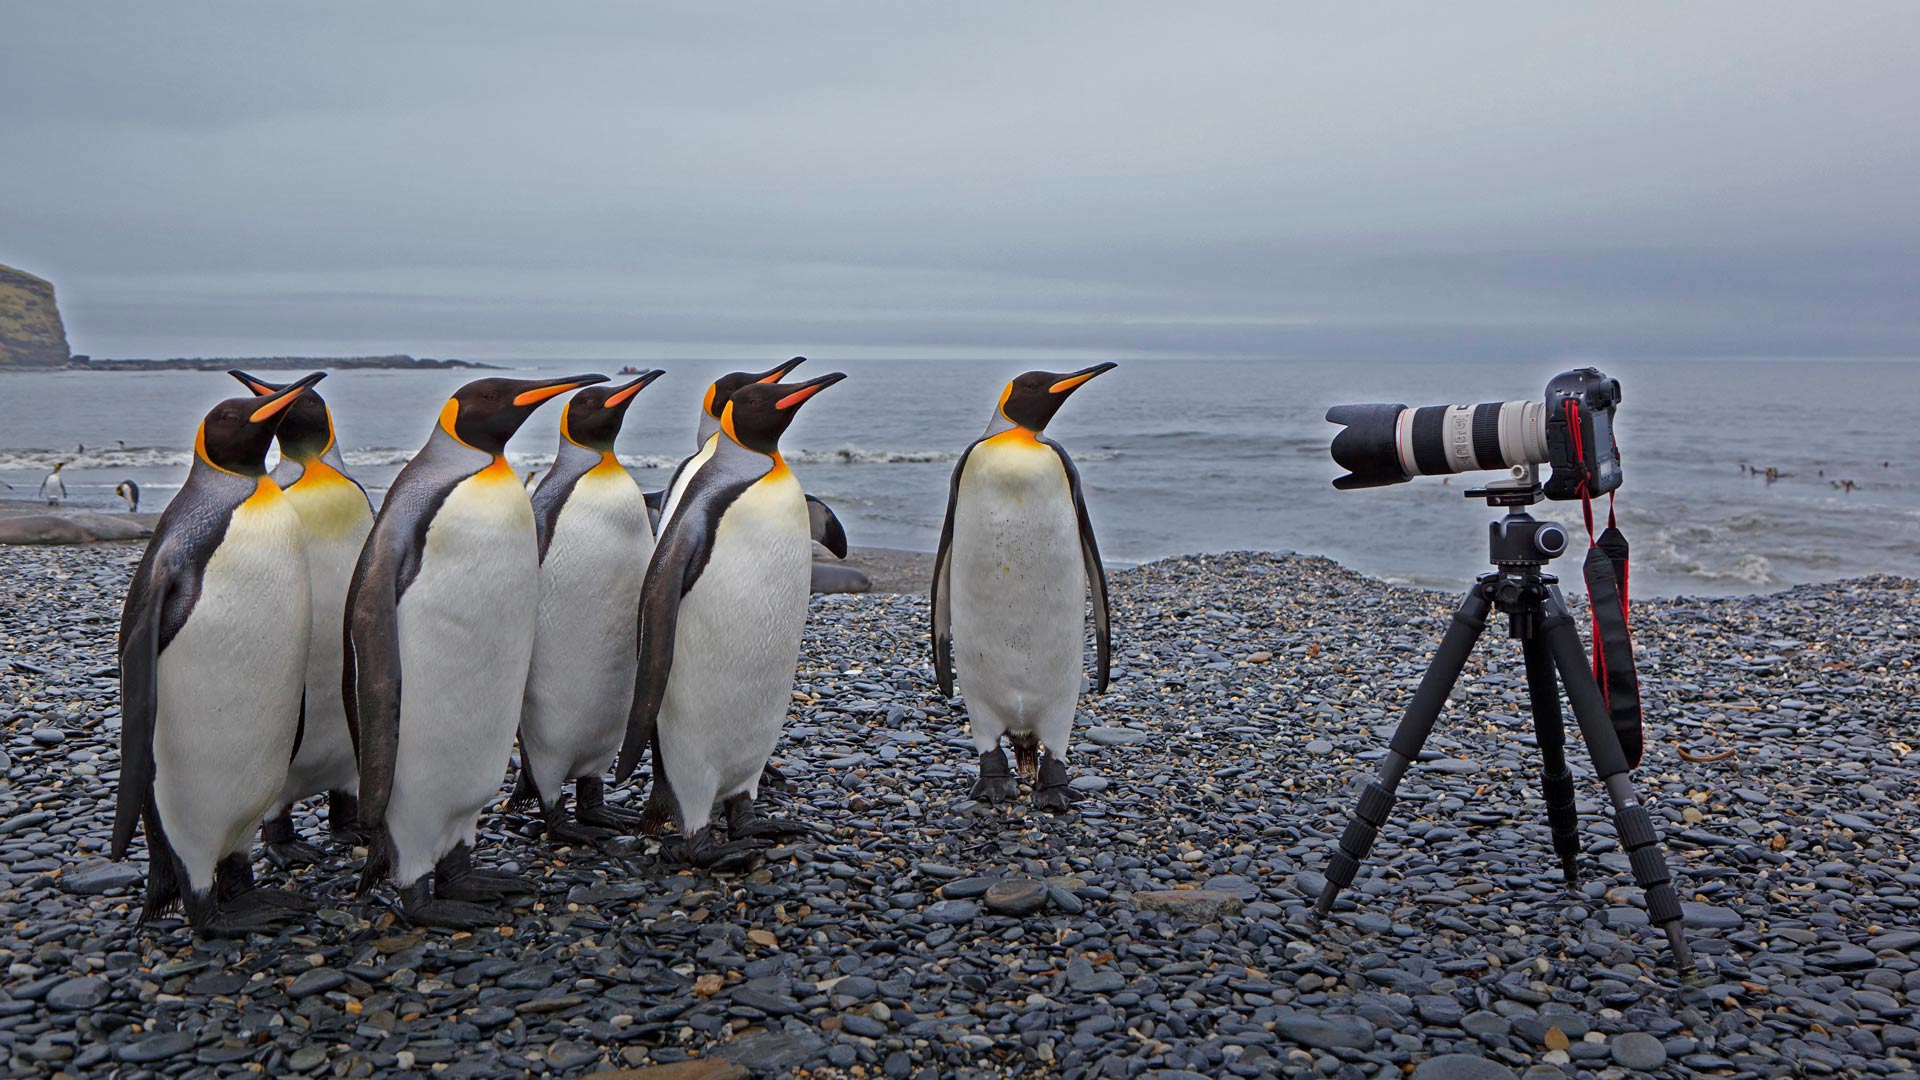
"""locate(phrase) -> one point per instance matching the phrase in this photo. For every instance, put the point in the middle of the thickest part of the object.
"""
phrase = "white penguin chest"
(1014, 527)
(467, 619)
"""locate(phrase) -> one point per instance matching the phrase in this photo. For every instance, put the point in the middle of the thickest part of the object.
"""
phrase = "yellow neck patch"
(498, 472)
(449, 414)
(264, 490)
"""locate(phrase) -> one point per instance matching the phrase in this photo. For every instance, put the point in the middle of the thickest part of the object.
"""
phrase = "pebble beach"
(1162, 929)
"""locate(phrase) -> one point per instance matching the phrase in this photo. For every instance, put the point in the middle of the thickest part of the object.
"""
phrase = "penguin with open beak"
(213, 646)
(1016, 562)
(721, 615)
(335, 516)
(441, 616)
(595, 543)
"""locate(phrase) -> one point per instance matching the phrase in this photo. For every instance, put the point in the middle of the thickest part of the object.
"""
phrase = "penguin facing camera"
(721, 615)
(595, 541)
(335, 517)
(54, 488)
(440, 623)
(211, 633)
(1016, 561)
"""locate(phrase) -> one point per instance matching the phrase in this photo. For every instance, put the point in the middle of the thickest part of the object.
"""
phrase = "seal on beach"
(440, 624)
(1016, 560)
(335, 516)
(212, 641)
(53, 488)
(721, 615)
(595, 542)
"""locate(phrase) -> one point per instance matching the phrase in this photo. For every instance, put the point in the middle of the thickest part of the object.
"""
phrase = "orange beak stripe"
(621, 398)
(797, 397)
(535, 397)
(1065, 385)
(271, 408)
(259, 389)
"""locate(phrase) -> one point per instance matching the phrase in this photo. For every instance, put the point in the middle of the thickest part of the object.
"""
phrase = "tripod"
(1537, 616)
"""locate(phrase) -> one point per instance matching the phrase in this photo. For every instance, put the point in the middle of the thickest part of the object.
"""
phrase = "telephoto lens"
(1391, 444)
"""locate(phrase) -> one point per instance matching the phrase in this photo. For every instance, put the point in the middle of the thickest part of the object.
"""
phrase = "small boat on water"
(629, 370)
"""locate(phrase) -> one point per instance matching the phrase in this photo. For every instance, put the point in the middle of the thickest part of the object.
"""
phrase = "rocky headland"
(31, 332)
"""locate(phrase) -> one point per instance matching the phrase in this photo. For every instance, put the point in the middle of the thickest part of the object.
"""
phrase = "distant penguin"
(440, 624)
(595, 542)
(129, 491)
(335, 516)
(1016, 561)
(721, 615)
(531, 481)
(212, 641)
(53, 488)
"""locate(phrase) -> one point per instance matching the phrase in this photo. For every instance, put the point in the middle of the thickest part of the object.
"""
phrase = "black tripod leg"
(1543, 690)
(1630, 819)
(1377, 800)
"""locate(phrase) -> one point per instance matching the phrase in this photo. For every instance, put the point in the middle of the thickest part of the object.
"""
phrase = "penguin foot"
(232, 924)
(287, 854)
(1053, 791)
(744, 823)
(343, 820)
(731, 857)
(657, 814)
(591, 807)
(489, 887)
(996, 783)
(422, 908)
(580, 833)
(270, 900)
(771, 776)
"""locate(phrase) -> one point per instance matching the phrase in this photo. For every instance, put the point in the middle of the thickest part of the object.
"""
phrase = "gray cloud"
(1224, 179)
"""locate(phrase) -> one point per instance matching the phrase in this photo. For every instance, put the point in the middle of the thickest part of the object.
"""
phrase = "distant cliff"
(275, 363)
(31, 334)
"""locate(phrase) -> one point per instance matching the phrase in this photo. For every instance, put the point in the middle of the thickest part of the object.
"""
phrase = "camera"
(1571, 429)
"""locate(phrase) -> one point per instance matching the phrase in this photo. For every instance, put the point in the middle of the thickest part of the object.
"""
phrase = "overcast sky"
(738, 179)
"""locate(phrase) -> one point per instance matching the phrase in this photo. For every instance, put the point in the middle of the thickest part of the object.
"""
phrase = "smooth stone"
(1200, 905)
(1017, 897)
(1089, 782)
(1710, 916)
(953, 912)
(1325, 1032)
(1638, 1051)
(316, 981)
(966, 888)
(155, 1048)
(1111, 736)
(710, 1068)
(1461, 1067)
(77, 995)
(771, 1051)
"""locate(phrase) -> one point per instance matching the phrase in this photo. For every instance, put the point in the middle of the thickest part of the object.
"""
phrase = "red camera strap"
(1606, 573)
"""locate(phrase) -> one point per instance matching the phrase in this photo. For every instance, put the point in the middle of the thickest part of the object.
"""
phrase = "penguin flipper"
(139, 700)
(826, 528)
(1096, 574)
(678, 559)
(942, 593)
(656, 502)
(370, 675)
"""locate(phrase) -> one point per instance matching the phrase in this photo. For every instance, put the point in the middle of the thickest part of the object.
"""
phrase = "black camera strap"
(1606, 570)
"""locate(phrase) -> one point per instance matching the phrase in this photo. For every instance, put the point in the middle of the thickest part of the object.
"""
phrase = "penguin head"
(485, 413)
(758, 413)
(1030, 400)
(306, 427)
(236, 433)
(725, 386)
(593, 416)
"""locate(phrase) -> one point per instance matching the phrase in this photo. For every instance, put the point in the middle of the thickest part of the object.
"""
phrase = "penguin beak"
(808, 389)
(258, 387)
(272, 405)
(538, 392)
(780, 372)
(1074, 381)
(626, 393)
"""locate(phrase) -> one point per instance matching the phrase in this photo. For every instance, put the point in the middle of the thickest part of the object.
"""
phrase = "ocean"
(1178, 456)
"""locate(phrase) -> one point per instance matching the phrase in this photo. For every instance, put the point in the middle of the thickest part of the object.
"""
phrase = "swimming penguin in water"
(212, 641)
(721, 614)
(53, 488)
(595, 542)
(336, 516)
(440, 624)
(1016, 560)
(129, 491)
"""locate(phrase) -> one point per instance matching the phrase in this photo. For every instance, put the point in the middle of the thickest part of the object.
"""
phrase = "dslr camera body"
(1570, 430)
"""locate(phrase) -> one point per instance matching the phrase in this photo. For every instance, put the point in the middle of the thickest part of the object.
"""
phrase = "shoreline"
(1164, 923)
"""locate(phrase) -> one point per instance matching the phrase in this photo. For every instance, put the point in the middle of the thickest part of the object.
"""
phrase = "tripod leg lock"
(1563, 820)
(1649, 865)
(1376, 802)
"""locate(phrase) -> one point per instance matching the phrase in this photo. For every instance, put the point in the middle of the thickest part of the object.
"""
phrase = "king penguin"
(722, 610)
(595, 542)
(440, 623)
(213, 645)
(1016, 560)
(335, 516)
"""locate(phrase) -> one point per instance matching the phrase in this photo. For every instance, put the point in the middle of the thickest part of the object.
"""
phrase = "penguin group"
(283, 640)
